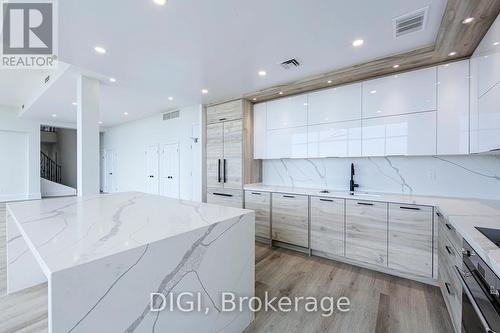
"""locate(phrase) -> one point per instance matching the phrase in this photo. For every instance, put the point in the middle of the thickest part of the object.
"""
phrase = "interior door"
(232, 173)
(215, 155)
(110, 171)
(169, 170)
(151, 169)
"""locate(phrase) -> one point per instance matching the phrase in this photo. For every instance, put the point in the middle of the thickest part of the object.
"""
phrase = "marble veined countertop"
(463, 214)
(65, 232)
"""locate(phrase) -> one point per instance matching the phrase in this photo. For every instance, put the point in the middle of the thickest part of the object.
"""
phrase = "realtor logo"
(29, 34)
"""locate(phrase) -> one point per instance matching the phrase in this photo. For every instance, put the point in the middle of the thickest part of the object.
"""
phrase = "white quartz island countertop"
(111, 261)
(463, 214)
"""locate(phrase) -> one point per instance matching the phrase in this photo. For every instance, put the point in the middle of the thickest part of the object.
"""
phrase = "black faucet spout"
(352, 184)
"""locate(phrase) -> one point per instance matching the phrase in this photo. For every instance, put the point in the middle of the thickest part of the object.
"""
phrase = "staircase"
(50, 169)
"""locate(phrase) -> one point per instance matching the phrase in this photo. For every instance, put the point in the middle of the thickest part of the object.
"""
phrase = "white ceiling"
(178, 49)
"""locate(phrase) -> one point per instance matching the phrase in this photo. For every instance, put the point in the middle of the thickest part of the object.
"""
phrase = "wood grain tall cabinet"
(229, 152)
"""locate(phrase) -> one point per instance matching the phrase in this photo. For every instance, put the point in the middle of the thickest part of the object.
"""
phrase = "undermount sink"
(365, 195)
(324, 191)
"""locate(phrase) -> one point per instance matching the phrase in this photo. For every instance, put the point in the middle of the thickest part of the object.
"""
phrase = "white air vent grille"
(171, 115)
(411, 22)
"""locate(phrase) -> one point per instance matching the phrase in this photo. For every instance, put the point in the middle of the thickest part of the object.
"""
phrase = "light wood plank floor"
(379, 302)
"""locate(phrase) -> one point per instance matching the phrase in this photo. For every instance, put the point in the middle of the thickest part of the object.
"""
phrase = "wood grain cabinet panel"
(225, 112)
(215, 154)
(290, 217)
(260, 202)
(232, 163)
(410, 239)
(366, 231)
(225, 197)
(327, 225)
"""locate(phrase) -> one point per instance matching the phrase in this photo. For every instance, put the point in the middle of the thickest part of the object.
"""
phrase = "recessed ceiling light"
(254, 99)
(74, 103)
(160, 2)
(280, 93)
(395, 66)
(451, 54)
(496, 43)
(170, 98)
(99, 122)
(329, 81)
(468, 20)
(112, 80)
(54, 115)
(305, 104)
(204, 91)
(262, 73)
(125, 113)
(358, 42)
(373, 92)
(100, 49)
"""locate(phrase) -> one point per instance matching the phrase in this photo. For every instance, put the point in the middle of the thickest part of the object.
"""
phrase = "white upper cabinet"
(287, 112)
(287, 143)
(335, 104)
(342, 139)
(259, 130)
(399, 94)
(453, 109)
(485, 93)
(407, 135)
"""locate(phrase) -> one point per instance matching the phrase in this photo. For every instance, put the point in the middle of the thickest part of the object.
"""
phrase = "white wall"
(130, 140)
(20, 154)
(473, 176)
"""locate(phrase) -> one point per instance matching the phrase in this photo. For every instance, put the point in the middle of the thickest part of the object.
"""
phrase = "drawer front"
(450, 232)
(366, 231)
(290, 218)
(452, 295)
(260, 202)
(225, 197)
(328, 225)
(410, 239)
(225, 112)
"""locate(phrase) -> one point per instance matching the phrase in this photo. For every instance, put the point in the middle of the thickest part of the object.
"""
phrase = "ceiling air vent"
(290, 63)
(411, 22)
(171, 115)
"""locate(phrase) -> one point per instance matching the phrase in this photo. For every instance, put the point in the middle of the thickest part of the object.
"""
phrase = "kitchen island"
(110, 260)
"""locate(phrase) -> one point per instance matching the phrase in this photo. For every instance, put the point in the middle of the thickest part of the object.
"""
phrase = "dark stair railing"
(50, 169)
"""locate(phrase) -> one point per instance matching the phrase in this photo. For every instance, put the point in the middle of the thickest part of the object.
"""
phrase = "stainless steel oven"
(480, 295)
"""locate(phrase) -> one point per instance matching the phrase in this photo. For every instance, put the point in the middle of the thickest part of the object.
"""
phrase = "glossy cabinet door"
(453, 109)
(287, 143)
(232, 163)
(342, 139)
(259, 130)
(410, 239)
(327, 225)
(290, 217)
(260, 202)
(409, 92)
(406, 135)
(335, 104)
(215, 155)
(366, 231)
(225, 112)
(287, 112)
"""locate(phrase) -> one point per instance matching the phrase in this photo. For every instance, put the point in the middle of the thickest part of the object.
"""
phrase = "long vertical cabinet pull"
(218, 171)
(225, 179)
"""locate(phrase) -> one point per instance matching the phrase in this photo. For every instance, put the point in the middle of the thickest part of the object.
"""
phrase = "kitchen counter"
(104, 255)
(463, 214)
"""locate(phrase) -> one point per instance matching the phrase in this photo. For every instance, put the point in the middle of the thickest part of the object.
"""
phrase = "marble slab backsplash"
(451, 176)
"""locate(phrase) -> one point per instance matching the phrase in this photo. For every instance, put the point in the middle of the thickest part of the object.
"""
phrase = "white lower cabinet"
(341, 139)
(366, 231)
(410, 239)
(260, 202)
(328, 225)
(290, 219)
(406, 135)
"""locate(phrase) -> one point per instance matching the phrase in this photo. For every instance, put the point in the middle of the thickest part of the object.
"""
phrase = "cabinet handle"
(447, 285)
(218, 171)
(256, 193)
(222, 194)
(327, 200)
(365, 204)
(409, 208)
(225, 179)
(439, 214)
(448, 249)
(494, 150)
(288, 196)
(450, 227)
(222, 119)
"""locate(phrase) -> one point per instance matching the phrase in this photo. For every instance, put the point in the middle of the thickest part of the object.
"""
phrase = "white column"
(88, 94)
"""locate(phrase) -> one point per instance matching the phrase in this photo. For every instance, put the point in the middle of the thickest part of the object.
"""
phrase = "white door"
(151, 170)
(169, 170)
(110, 183)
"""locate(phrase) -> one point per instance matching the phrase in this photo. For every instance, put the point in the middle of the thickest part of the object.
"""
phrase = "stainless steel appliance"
(480, 294)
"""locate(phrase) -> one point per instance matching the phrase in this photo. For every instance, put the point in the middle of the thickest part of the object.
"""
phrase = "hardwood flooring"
(379, 302)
